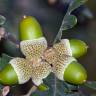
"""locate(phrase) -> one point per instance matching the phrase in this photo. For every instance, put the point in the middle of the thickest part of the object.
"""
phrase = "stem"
(55, 87)
(33, 89)
(59, 34)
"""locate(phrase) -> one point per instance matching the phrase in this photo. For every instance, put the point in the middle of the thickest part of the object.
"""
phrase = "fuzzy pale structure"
(63, 47)
(40, 62)
(40, 72)
(32, 66)
(33, 48)
(60, 56)
(22, 68)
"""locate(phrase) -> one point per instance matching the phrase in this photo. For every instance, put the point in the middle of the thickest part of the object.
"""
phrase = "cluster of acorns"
(40, 60)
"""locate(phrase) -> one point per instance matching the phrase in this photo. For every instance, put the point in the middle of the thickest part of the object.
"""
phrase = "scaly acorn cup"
(29, 28)
(78, 47)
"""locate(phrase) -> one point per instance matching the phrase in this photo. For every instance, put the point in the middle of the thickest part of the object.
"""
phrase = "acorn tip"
(24, 16)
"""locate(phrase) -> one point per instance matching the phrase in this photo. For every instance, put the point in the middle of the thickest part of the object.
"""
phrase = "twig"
(55, 87)
(33, 89)
(59, 34)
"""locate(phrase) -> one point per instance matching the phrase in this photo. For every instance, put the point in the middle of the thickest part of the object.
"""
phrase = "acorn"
(8, 76)
(20, 70)
(16, 72)
(66, 68)
(73, 47)
(29, 28)
(78, 47)
(43, 87)
(75, 73)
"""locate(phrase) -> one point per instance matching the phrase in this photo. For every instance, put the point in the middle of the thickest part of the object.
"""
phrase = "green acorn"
(66, 68)
(75, 73)
(29, 28)
(43, 87)
(78, 47)
(73, 47)
(16, 72)
(8, 76)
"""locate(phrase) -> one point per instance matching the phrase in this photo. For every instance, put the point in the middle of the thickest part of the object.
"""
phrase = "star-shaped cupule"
(40, 60)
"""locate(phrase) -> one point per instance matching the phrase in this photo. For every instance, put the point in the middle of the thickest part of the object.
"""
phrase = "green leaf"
(11, 48)
(57, 88)
(91, 84)
(4, 59)
(2, 20)
(75, 4)
(69, 22)
(1, 86)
